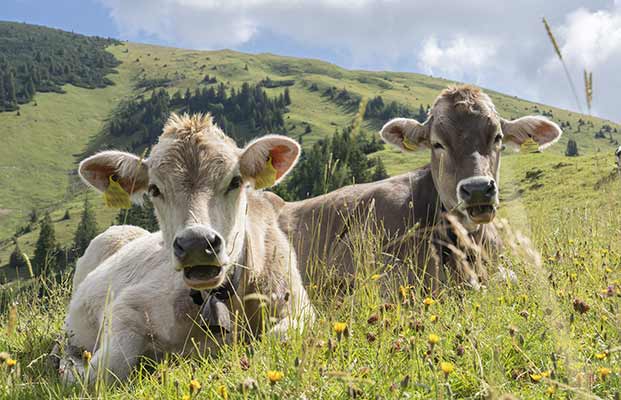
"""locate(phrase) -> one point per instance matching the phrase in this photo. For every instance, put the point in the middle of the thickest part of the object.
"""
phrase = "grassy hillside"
(41, 145)
(530, 338)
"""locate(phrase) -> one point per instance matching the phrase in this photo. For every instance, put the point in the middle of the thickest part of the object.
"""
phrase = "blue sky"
(494, 44)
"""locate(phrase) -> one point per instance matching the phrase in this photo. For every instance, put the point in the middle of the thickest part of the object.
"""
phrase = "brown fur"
(419, 214)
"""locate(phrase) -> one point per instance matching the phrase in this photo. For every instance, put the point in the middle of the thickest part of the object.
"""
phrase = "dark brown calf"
(433, 216)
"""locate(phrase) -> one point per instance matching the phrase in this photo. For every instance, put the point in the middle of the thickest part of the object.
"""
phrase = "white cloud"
(461, 58)
(499, 45)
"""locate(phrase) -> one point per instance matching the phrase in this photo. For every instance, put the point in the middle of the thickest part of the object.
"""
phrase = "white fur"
(130, 301)
(103, 246)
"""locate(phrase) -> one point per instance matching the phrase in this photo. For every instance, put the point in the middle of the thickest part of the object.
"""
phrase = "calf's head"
(198, 180)
(465, 135)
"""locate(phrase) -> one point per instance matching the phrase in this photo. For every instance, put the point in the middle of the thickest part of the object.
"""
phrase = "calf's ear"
(267, 160)
(406, 134)
(540, 129)
(107, 168)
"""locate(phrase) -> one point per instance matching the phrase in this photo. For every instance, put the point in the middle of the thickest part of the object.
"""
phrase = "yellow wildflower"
(223, 392)
(551, 390)
(86, 356)
(340, 327)
(536, 377)
(195, 386)
(405, 291)
(433, 318)
(185, 397)
(428, 301)
(603, 372)
(433, 339)
(10, 362)
(274, 376)
(600, 356)
(447, 367)
(545, 374)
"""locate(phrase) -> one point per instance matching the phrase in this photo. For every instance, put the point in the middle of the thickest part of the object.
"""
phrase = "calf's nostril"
(178, 249)
(491, 188)
(464, 193)
(214, 243)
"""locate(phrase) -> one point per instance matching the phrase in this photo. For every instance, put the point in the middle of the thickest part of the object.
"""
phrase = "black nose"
(478, 190)
(197, 245)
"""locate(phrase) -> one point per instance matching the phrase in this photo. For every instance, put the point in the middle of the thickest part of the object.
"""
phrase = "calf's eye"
(438, 146)
(235, 183)
(498, 138)
(154, 191)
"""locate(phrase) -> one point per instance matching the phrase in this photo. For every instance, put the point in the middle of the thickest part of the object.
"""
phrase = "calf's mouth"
(203, 276)
(481, 213)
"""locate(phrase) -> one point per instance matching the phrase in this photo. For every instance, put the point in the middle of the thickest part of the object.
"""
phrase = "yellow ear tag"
(409, 145)
(115, 196)
(267, 177)
(529, 146)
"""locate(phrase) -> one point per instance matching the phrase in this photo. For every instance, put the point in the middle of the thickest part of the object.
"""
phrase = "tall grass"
(533, 338)
(559, 54)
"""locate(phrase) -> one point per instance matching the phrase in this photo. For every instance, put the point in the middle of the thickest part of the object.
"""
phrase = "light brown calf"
(219, 236)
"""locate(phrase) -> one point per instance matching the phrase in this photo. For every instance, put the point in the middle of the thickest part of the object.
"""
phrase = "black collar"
(215, 314)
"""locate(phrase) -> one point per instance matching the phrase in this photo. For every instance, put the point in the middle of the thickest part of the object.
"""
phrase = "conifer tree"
(379, 172)
(2, 95)
(17, 258)
(45, 250)
(86, 231)
(572, 148)
(139, 215)
(9, 83)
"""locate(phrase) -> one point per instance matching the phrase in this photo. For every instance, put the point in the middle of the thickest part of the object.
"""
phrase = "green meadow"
(556, 333)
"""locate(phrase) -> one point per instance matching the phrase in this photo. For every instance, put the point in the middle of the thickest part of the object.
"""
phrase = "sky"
(499, 45)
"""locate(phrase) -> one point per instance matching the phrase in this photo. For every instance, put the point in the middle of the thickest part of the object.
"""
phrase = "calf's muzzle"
(198, 245)
(479, 197)
(199, 252)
